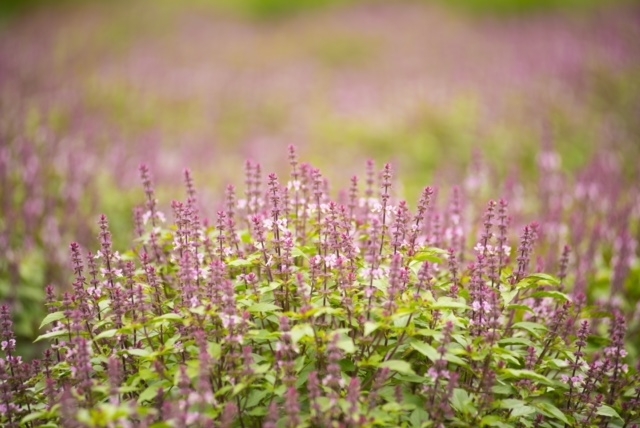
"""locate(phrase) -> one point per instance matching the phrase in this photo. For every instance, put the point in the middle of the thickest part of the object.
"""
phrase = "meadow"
(321, 213)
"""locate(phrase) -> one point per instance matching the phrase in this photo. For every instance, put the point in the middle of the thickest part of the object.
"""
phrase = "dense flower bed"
(296, 309)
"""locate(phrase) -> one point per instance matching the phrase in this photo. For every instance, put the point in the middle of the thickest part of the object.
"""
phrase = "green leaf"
(257, 411)
(297, 252)
(502, 390)
(139, 352)
(522, 411)
(240, 263)
(303, 373)
(54, 316)
(51, 334)
(418, 416)
(381, 284)
(551, 411)
(370, 327)
(400, 320)
(215, 349)
(531, 327)
(511, 403)
(462, 402)
(104, 305)
(150, 392)
(515, 341)
(346, 344)
(262, 369)
(528, 374)
(537, 280)
(238, 388)
(170, 343)
(543, 277)
(106, 334)
(272, 286)
(608, 411)
(414, 378)
(431, 353)
(454, 359)
(264, 307)
(399, 366)
(494, 421)
(33, 416)
(171, 316)
(556, 295)
(507, 355)
(557, 364)
(433, 255)
(301, 330)
(198, 310)
(255, 397)
(507, 296)
(518, 307)
(461, 339)
(426, 350)
(449, 303)
(327, 310)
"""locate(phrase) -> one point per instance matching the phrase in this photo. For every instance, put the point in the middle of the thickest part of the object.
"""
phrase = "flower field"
(350, 214)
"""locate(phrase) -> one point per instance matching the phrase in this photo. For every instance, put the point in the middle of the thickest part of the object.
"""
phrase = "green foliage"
(291, 326)
(273, 9)
(519, 7)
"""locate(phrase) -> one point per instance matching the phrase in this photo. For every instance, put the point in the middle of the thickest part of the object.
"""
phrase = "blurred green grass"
(270, 9)
(278, 9)
(519, 7)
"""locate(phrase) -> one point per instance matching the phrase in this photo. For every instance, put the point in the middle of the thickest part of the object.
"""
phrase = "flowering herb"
(293, 309)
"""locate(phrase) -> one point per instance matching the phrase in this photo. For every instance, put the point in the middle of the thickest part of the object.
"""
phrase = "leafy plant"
(294, 309)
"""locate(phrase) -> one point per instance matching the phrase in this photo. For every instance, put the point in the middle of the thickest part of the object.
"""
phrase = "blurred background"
(448, 91)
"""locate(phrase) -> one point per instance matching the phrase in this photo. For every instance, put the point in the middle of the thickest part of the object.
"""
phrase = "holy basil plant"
(293, 309)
